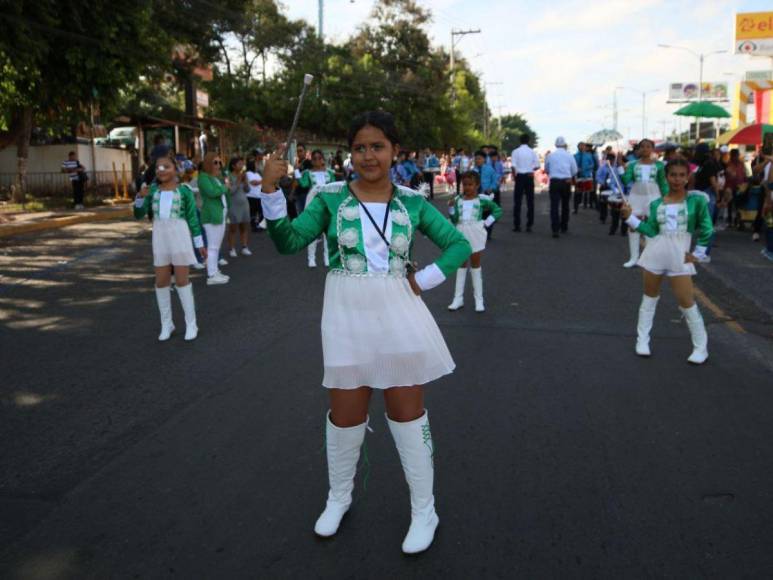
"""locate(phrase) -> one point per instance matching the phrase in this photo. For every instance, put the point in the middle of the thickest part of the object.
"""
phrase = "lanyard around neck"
(381, 231)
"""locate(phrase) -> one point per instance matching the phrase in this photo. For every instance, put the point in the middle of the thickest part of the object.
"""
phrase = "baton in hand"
(307, 80)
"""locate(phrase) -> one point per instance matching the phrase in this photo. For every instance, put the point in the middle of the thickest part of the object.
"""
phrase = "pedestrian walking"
(647, 180)
(215, 196)
(561, 168)
(376, 330)
(524, 163)
(611, 194)
(239, 208)
(78, 177)
(673, 219)
(467, 213)
(431, 168)
(173, 209)
(586, 169)
(314, 179)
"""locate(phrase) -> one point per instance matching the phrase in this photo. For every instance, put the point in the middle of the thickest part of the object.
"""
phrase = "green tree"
(512, 127)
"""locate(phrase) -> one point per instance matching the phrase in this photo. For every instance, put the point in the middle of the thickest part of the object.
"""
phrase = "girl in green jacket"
(377, 333)
(215, 200)
(174, 222)
(312, 180)
(466, 213)
(673, 220)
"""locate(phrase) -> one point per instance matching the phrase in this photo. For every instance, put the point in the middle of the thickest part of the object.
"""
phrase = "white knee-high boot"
(461, 279)
(189, 307)
(477, 288)
(700, 339)
(646, 315)
(343, 452)
(634, 239)
(414, 444)
(311, 253)
(164, 299)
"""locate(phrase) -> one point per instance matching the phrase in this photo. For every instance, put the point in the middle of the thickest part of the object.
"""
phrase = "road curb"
(10, 230)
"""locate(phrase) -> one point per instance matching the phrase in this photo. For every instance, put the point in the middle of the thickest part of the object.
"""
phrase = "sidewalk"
(24, 223)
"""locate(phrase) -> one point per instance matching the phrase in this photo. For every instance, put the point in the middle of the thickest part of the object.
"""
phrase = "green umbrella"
(703, 109)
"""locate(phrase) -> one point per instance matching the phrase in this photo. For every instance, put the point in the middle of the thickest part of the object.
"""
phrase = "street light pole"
(643, 106)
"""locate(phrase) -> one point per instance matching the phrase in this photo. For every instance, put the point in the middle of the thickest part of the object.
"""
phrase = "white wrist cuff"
(198, 242)
(633, 222)
(429, 277)
(700, 252)
(139, 202)
(274, 205)
(489, 221)
(488, 196)
(451, 210)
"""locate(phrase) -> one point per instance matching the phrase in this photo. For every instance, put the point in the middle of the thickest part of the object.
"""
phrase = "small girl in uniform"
(312, 180)
(377, 333)
(672, 222)
(648, 179)
(174, 221)
(466, 213)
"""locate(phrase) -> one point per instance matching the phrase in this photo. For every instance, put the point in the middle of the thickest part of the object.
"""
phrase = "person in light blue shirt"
(430, 170)
(586, 169)
(488, 177)
(400, 172)
(562, 169)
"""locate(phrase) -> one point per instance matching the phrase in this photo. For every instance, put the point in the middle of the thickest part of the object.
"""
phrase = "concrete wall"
(44, 176)
(48, 158)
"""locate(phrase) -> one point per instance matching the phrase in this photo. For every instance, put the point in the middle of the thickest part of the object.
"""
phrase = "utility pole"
(321, 18)
(454, 34)
(486, 110)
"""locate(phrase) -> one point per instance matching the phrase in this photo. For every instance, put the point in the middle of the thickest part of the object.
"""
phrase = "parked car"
(123, 137)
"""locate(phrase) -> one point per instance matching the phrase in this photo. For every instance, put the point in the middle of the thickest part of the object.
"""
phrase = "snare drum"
(584, 185)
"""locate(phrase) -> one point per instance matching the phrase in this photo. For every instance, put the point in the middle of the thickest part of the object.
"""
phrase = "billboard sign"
(754, 33)
(687, 92)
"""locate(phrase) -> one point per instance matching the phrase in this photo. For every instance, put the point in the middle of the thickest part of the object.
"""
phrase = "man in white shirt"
(524, 162)
(562, 170)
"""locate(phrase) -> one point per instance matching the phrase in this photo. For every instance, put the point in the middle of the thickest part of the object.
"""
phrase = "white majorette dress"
(375, 331)
(315, 180)
(670, 228)
(174, 223)
(649, 184)
(467, 214)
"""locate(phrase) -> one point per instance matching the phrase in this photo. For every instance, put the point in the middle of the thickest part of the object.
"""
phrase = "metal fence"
(55, 184)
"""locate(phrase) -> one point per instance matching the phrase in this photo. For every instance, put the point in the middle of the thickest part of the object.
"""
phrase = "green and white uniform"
(671, 227)
(467, 215)
(375, 331)
(174, 222)
(313, 181)
(649, 184)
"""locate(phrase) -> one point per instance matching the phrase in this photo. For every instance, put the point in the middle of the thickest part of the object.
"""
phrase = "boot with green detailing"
(414, 444)
(343, 452)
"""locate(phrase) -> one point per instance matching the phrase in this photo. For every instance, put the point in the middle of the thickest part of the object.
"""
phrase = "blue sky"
(560, 61)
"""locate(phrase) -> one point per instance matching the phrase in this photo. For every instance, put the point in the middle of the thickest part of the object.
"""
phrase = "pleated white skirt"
(643, 193)
(377, 333)
(664, 254)
(475, 232)
(172, 243)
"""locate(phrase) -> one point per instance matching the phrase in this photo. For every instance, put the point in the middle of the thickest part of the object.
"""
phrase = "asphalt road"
(560, 454)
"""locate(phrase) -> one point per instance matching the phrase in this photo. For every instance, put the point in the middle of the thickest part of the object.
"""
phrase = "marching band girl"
(377, 333)
(647, 179)
(466, 213)
(672, 222)
(312, 180)
(174, 221)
